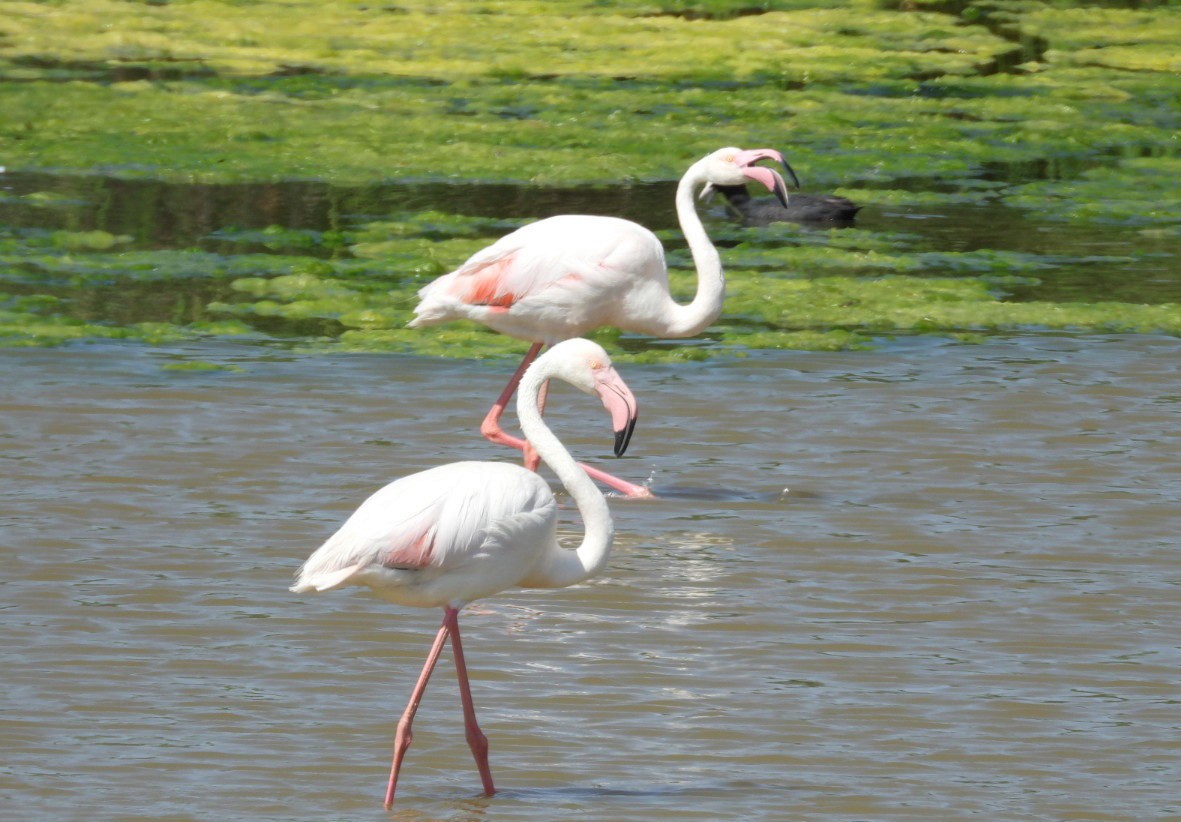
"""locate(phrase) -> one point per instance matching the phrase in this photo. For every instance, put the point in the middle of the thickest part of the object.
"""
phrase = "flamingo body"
(444, 536)
(465, 530)
(555, 279)
(564, 276)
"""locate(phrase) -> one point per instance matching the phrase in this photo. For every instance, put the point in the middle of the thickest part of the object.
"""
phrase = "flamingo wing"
(567, 259)
(436, 519)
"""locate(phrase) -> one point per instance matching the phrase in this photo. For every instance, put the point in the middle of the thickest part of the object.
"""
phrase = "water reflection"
(171, 215)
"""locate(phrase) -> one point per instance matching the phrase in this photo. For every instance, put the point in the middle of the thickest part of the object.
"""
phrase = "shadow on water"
(465, 806)
(655, 792)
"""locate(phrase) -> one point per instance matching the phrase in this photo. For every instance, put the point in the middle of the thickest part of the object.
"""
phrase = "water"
(927, 582)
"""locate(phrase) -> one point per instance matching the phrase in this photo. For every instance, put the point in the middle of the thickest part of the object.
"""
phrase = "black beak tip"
(795, 181)
(623, 437)
(781, 195)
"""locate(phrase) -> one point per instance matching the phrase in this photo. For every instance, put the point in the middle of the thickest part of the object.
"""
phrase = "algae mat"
(1060, 122)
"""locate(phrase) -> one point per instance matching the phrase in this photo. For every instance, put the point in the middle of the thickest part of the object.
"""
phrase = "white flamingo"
(564, 276)
(452, 534)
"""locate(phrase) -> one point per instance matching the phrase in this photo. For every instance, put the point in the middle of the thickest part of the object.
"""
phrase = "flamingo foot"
(402, 739)
(628, 489)
(640, 492)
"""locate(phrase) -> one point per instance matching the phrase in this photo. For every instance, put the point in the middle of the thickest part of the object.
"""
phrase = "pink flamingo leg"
(475, 737)
(490, 428)
(404, 735)
(492, 431)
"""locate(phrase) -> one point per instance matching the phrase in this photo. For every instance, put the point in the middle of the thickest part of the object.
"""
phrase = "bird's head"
(734, 166)
(586, 366)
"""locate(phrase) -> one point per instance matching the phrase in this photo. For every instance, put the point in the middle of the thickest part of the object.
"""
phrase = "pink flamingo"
(565, 276)
(452, 534)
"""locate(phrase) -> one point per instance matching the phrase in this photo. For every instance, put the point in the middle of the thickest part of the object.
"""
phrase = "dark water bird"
(799, 208)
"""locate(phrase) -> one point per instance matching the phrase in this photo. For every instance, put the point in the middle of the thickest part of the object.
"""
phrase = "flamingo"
(466, 530)
(564, 276)
(800, 208)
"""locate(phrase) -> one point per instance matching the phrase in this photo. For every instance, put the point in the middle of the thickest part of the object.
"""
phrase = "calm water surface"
(929, 582)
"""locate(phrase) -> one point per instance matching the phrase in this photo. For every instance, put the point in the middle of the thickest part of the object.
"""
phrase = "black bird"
(799, 208)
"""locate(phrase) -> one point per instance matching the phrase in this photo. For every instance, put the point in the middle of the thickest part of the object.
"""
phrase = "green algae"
(897, 109)
(1139, 191)
(554, 92)
(42, 199)
(901, 304)
(92, 240)
(202, 366)
(281, 238)
(447, 41)
(43, 320)
(820, 290)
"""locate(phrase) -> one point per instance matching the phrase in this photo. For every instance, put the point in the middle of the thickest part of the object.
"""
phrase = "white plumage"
(565, 276)
(445, 536)
(554, 279)
(452, 534)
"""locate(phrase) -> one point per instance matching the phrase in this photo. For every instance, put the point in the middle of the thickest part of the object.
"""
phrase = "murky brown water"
(966, 605)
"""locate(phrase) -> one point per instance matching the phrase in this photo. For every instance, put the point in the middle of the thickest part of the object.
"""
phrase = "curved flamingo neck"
(561, 567)
(687, 320)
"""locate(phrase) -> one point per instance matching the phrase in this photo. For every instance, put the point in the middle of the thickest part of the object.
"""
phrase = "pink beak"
(769, 178)
(620, 403)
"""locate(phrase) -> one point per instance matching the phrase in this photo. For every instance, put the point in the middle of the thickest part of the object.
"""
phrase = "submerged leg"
(475, 737)
(404, 735)
(628, 489)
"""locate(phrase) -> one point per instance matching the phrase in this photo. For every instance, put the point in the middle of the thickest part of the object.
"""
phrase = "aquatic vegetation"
(896, 196)
(42, 320)
(896, 304)
(1135, 191)
(1018, 110)
(554, 92)
(202, 365)
(798, 288)
(1143, 39)
(446, 40)
(280, 238)
(93, 240)
(42, 199)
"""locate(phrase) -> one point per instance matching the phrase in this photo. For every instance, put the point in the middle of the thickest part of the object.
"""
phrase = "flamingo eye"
(595, 365)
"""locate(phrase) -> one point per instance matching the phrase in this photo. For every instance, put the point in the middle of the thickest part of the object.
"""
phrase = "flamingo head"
(734, 166)
(586, 366)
